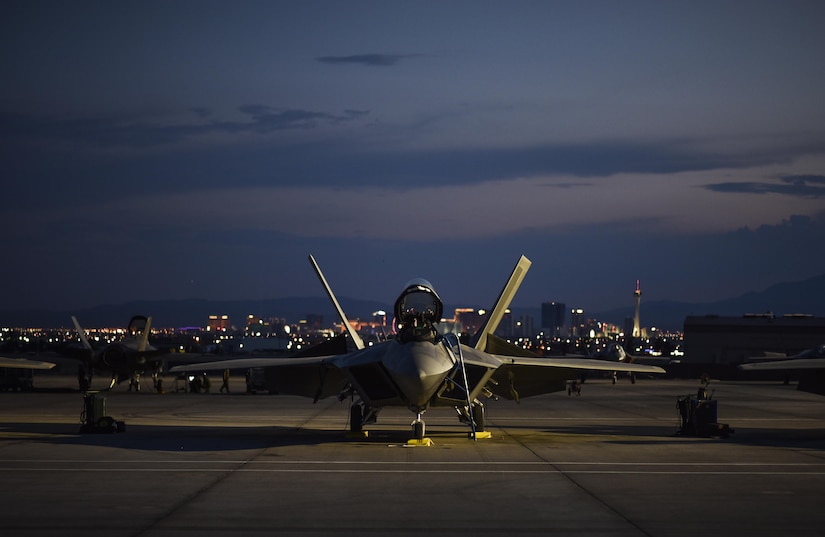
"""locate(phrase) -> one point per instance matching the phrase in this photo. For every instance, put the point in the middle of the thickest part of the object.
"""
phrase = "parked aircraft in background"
(421, 367)
(16, 373)
(23, 363)
(811, 360)
(615, 352)
(119, 360)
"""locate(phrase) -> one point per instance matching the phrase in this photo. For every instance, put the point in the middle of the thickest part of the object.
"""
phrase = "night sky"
(203, 149)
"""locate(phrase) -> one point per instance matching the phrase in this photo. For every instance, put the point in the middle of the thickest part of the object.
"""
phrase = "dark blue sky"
(203, 149)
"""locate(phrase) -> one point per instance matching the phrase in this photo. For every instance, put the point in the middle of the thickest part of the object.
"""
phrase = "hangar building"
(726, 342)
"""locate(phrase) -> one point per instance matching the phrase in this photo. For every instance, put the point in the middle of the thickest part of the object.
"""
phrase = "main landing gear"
(476, 420)
(360, 415)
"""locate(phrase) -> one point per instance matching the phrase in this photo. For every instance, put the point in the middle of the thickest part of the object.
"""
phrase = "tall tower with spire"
(637, 331)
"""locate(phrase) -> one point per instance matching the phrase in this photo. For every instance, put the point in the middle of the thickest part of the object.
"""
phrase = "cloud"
(373, 60)
(266, 119)
(202, 151)
(564, 186)
(588, 159)
(803, 186)
(135, 133)
(201, 111)
(637, 203)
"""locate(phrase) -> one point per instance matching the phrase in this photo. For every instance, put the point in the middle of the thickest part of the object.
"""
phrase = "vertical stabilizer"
(82, 333)
(359, 343)
(144, 338)
(503, 302)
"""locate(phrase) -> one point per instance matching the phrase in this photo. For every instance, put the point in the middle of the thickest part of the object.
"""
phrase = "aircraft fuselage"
(393, 373)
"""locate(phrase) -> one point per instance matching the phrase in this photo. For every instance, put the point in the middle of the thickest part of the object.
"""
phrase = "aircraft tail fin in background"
(82, 334)
(503, 302)
(144, 339)
(359, 343)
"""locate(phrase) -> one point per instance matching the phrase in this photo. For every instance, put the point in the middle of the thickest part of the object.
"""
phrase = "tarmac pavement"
(606, 463)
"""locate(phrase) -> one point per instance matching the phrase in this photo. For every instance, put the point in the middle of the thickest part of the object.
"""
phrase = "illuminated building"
(469, 319)
(218, 323)
(637, 294)
(577, 328)
(553, 316)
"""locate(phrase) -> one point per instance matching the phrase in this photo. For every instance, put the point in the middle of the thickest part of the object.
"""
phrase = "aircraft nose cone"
(418, 369)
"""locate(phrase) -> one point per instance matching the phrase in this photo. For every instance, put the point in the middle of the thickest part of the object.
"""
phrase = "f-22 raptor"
(421, 367)
(121, 359)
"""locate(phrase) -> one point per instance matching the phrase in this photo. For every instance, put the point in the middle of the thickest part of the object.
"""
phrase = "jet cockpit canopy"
(418, 306)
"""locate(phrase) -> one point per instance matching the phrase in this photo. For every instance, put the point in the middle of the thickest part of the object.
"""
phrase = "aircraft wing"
(769, 357)
(246, 363)
(802, 363)
(580, 363)
(812, 361)
(22, 363)
(649, 360)
(520, 376)
(313, 376)
(520, 373)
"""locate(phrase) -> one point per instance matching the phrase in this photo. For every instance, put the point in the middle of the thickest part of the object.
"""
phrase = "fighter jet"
(614, 352)
(617, 352)
(121, 359)
(813, 360)
(421, 367)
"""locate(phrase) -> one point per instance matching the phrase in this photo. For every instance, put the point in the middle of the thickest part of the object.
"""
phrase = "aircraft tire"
(356, 419)
(418, 430)
(480, 417)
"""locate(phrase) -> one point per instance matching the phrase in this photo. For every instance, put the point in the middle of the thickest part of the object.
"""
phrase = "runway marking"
(640, 419)
(412, 463)
(407, 471)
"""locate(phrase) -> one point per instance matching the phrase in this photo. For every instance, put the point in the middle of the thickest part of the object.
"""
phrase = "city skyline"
(203, 150)
(800, 299)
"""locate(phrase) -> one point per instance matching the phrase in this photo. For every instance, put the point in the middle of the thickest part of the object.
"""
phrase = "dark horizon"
(785, 298)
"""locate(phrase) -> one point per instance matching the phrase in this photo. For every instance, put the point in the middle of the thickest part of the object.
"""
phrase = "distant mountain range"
(806, 296)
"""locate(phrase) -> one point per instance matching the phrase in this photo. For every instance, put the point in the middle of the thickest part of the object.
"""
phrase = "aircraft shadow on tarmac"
(171, 438)
(206, 438)
(200, 438)
(632, 435)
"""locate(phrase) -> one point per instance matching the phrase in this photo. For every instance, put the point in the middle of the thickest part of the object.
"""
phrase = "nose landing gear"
(418, 430)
